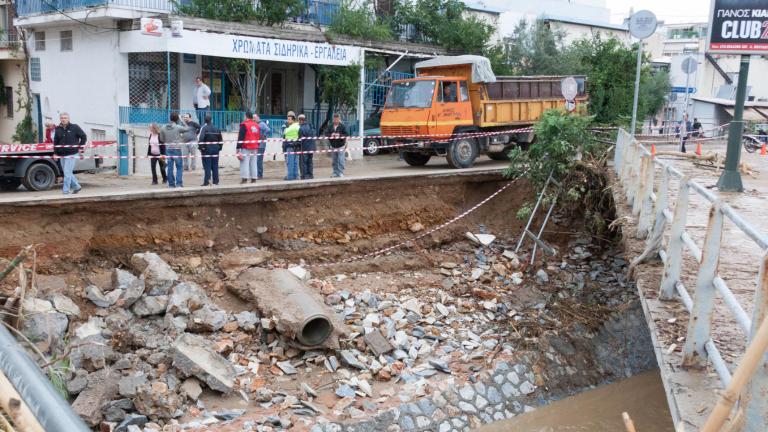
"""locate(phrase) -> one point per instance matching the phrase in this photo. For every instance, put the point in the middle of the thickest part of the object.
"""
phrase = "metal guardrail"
(636, 168)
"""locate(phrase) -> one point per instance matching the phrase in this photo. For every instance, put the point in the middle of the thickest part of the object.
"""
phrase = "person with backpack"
(307, 136)
(210, 144)
(248, 148)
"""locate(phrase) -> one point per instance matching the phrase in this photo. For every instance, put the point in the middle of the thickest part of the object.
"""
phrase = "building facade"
(12, 66)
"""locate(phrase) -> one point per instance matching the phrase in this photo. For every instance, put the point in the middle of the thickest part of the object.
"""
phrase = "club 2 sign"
(738, 27)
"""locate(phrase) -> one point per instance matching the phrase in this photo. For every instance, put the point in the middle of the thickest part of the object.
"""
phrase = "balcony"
(320, 12)
(10, 47)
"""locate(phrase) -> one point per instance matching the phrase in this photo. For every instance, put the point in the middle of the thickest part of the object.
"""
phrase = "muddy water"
(599, 410)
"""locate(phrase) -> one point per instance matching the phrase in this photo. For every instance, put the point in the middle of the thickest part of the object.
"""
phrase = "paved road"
(109, 184)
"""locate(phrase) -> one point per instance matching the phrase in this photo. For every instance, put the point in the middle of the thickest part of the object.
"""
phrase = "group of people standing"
(178, 141)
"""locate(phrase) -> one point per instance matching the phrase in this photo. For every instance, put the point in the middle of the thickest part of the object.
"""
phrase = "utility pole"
(730, 180)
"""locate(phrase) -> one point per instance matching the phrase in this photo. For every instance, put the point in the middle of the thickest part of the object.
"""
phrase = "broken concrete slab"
(132, 287)
(185, 298)
(158, 275)
(207, 319)
(99, 298)
(150, 305)
(101, 388)
(194, 356)
(243, 258)
(64, 304)
(42, 322)
(483, 239)
(378, 343)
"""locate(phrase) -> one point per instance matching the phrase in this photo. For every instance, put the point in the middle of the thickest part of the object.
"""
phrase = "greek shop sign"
(738, 27)
(245, 47)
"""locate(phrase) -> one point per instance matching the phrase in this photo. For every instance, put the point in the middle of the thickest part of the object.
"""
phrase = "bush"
(359, 23)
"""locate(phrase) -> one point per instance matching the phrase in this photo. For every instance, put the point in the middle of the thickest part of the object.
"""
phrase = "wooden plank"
(13, 405)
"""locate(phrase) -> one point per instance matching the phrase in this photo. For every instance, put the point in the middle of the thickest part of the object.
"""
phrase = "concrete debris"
(185, 298)
(247, 320)
(128, 386)
(287, 368)
(416, 227)
(349, 359)
(194, 356)
(157, 274)
(64, 304)
(191, 389)
(150, 305)
(378, 343)
(483, 239)
(42, 323)
(542, 276)
(207, 319)
(130, 286)
(94, 326)
(300, 272)
(101, 388)
(243, 258)
(94, 294)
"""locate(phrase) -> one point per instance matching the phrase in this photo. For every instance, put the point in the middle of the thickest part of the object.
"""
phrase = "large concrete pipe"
(300, 313)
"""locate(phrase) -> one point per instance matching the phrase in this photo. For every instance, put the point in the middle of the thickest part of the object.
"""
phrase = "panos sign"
(738, 27)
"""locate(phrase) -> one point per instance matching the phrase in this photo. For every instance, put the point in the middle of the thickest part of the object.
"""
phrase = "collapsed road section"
(243, 311)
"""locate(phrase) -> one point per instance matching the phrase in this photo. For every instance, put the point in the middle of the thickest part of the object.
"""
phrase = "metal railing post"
(675, 247)
(755, 398)
(700, 320)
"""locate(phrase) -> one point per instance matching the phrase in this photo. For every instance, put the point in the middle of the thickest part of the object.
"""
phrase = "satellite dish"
(642, 24)
(570, 88)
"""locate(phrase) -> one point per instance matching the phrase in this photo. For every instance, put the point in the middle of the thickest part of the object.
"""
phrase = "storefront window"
(148, 80)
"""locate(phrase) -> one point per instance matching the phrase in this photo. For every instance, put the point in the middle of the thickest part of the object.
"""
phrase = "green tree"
(535, 49)
(339, 88)
(445, 23)
(360, 22)
(267, 12)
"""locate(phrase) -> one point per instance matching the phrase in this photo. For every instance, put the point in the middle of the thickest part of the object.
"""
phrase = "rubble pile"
(158, 344)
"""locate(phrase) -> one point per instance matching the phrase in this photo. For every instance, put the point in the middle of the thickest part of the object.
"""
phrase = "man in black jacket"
(210, 145)
(307, 136)
(337, 137)
(69, 141)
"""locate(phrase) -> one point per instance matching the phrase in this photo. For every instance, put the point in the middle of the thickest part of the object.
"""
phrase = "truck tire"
(462, 153)
(39, 177)
(10, 183)
(416, 159)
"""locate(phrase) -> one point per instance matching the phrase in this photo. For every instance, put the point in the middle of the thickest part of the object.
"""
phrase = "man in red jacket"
(248, 148)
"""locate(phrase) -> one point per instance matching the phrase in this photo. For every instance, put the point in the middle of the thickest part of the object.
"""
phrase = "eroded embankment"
(472, 333)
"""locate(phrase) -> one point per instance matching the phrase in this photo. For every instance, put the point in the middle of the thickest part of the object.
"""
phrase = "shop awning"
(751, 114)
(245, 47)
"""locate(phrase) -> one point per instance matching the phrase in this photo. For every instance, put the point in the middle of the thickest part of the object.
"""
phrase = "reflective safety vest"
(252, 135)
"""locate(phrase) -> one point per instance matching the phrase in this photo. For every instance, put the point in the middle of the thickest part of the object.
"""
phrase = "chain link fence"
(148, 80)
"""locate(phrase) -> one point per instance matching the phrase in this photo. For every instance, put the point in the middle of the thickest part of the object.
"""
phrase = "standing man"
(189, 149)
(307, 136)
(201, 98)
(210, 147)
(337, 134)
(291, 145)
(171, 136)
(264, 132)
(248, 147)
(69, 141)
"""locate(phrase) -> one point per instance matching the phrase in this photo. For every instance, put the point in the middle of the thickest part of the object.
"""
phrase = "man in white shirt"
(201, 99)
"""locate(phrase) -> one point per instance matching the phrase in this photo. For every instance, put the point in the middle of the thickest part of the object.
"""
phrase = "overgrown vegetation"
(444, 23)
(567, 149)
(267, 12)
(339, 87)
(361, 23)
(535, 49)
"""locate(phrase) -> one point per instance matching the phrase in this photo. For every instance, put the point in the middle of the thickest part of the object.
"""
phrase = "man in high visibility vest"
(248, 148)
(290, 145)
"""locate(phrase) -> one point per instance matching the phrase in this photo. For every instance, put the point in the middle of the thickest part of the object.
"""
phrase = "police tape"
(404, 243)
(444, 137)
(677, 134)
(689, 140)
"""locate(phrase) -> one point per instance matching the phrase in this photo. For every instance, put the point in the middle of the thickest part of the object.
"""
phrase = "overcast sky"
(670, 11)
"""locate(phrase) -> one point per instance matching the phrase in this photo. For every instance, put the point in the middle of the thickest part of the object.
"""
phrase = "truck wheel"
(416, 159)
(371, 147)
(9, 184)
(39, 177)
(462, 153)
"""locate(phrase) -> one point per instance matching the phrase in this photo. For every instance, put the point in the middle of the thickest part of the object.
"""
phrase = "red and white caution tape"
(677, 134)
(426, 233)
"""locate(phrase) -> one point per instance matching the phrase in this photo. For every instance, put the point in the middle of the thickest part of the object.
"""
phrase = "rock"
(542, 276)
(300, 272)
(344, 390)
(128, 385)
(42, 322)
(287, 368)
(64, 304)
(261, 229)
(150, 305)
(527, 388)
(132, 421)
(185, 298)
(131, 287)
(78, 383)
(476, 273)
(94, 294)
(102, 387)
(191, 389)
(47, 285)
(267, 324)
(207, 319)
(440, 365)
(243, 258)
(308, 390)
(193, 356)
(377, 343)
(156, 401)
(331, 363)
(442, 309)
(92, 353)
(247, 320)
(348, 358)
(483, 239)
(263, 395)
(416, 227)
(412, 305)
(158, 275)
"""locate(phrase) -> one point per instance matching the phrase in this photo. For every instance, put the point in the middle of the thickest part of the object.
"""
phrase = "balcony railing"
(317, 11)
(9, 41)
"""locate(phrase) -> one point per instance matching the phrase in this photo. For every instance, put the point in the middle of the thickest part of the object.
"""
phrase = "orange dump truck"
(460, 94)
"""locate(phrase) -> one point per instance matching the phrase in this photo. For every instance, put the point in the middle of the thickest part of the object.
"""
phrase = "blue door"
(122, 145)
